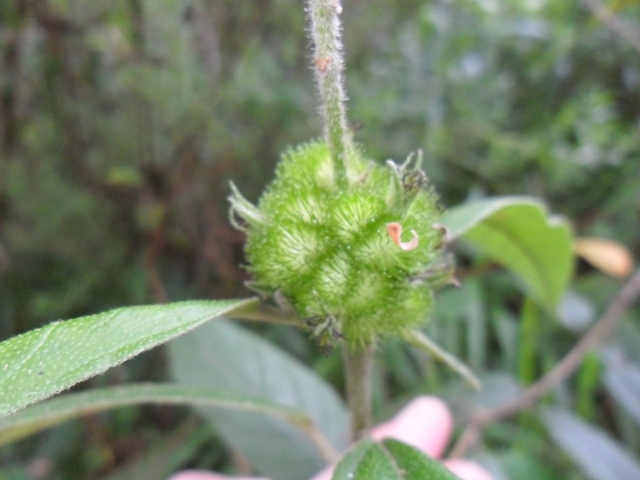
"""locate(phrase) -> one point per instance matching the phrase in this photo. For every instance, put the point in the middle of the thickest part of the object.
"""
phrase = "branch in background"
(136, 12)
(593, 339)
(209, 41)
(10, 61)
(155, 246)
(613, 23)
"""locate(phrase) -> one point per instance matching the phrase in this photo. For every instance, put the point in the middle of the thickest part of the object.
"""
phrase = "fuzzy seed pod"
(353, 261)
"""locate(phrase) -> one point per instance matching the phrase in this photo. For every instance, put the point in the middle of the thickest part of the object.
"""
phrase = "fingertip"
(425, 423)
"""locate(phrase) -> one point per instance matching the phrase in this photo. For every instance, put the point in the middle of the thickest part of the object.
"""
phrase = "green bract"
(329, 252)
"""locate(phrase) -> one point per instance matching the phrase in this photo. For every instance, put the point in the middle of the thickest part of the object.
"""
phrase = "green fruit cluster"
(330, 250)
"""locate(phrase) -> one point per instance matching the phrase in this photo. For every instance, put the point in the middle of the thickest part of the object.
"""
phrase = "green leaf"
(389, 460)
(237, 361)
(622, 379)
(43, 362)
(518, 233)
(414, 464)
(523, 466)
(66, 407)
(349, 463)
(598, 455)
(418, 340)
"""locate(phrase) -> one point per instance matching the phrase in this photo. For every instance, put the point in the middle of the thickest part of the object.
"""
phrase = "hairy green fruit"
(356, 261)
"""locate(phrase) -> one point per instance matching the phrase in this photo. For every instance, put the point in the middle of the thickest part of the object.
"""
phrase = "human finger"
(425, 423)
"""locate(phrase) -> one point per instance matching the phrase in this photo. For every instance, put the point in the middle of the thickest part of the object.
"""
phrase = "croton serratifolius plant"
(356, 259)
(350, 244)
(353, 247)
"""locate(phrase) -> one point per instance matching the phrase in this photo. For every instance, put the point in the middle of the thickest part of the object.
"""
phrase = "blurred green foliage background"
(122, 122)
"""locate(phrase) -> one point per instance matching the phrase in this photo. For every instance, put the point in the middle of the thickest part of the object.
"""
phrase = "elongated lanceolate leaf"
(518, 233)
(237, 361)
(622, 379)
(389, 460)
(66, 407)
(43, 362)
(599, 456)
(424, 343)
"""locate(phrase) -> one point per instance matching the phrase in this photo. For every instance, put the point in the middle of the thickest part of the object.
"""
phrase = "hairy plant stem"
(358, 363)
(328, 64)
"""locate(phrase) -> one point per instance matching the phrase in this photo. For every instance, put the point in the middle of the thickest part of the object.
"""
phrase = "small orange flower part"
(395, 232)
(323, 63)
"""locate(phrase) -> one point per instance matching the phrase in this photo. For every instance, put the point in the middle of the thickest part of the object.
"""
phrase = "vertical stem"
(358, 363)
(328, 66)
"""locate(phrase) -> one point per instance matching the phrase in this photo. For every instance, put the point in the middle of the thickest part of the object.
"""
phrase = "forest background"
(122, 123)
